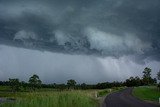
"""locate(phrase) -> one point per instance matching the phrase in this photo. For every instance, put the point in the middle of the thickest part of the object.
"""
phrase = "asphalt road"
(125, 99)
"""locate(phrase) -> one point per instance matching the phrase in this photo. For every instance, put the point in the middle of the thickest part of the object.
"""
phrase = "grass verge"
(149, 93)
(105, 92)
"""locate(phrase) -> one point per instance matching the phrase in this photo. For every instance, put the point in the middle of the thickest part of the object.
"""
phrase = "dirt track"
(125, 99)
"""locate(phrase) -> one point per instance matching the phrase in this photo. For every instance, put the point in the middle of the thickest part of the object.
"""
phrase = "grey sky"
(56, 67)
(92, 39)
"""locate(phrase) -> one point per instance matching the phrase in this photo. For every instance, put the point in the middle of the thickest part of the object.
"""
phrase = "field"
(51, 98)
(149, 93)
(54, 98)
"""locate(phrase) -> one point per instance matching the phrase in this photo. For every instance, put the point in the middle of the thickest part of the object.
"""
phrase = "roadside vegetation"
(149, 93)
(105, 92)
(34, 93)
(57, 98)
(144, 81)
(52, 99)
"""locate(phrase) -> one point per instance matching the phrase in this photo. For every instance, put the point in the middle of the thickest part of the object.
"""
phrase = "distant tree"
(14, 84)
(158, 77)
(147, 76)
(154, 80)
(138, 81)
(130, 82)
(61, 87)
(4, 83)
(83, 86)
(133, 81)
(104, 85)
(71, 83)
(24, 85)
(35, 82)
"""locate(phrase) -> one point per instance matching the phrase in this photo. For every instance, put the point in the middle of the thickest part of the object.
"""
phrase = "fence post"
(95, 94)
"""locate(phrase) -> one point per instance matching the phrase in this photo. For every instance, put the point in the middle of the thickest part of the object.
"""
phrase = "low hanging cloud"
(58, 68)
(114, 44)
(61, 37)
(51, 67)
(22, 35)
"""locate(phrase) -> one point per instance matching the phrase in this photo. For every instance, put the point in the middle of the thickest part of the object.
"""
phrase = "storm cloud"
(104, 28)
(96, 29)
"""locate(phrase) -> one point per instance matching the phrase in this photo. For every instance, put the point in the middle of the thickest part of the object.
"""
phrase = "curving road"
(124, 98)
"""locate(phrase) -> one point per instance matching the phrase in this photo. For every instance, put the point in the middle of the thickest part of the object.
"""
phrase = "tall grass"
(105, 92)
(53, 99)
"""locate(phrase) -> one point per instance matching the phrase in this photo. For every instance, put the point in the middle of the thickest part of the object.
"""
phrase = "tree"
(158, 77)
(71, 83)
(138, 81)
(133, 81)
(147, 76)
(35, 82)
(61, 87)
(15, 84)
(83, 86)
(24, 85)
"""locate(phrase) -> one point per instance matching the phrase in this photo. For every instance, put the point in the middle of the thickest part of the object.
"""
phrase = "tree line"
(145, 80)
(35, 83)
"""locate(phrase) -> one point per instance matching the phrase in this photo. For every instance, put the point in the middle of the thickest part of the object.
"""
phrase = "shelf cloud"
(93, 28)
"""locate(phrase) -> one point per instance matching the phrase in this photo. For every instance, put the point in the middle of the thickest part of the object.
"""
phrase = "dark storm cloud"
(98, 27)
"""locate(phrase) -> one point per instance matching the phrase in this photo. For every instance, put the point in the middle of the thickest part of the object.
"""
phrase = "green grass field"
(4, 88)
(52, 99)
(149, 93)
